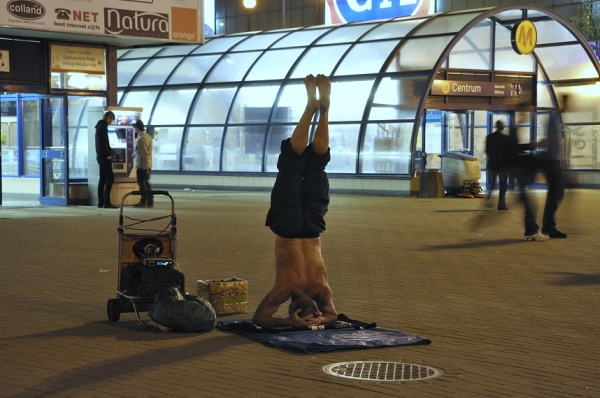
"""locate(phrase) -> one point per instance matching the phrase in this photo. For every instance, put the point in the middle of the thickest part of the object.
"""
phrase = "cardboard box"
(227, 296)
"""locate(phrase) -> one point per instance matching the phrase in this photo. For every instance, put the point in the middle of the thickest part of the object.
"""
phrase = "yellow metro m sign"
(523, 37)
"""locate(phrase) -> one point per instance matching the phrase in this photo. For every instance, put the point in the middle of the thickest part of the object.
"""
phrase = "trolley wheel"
(113, 310)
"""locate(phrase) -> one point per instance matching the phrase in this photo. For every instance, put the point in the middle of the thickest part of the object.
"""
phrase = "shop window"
(397, 29)
(233, 67)
(582, 143)
(128, 69)
(348, 100)
(300, 38)
(343, 141)
(78, 134)
(8, 137)
(259, 42)
(140, 99)
(253, 96)
(366, 58)
(293, 100)
(31, 138)
(193, 69)
(78, 81)
(202, 149)
(156, 71)
(172, 106)
(274, 64)
(398, 97)
(345, 34)
(386, 148)
(419, 54)
(566, 62)
(473, 50)
(212, 105)
(243, 148)
(320, 59)
(166, 148)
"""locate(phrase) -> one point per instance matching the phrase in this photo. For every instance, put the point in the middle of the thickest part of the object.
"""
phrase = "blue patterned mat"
(343, 334)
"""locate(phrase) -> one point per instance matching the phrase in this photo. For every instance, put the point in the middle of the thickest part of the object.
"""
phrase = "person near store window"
(104, 158)
(143, 157)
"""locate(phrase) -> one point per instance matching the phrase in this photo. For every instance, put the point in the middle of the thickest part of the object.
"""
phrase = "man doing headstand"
(299, 202)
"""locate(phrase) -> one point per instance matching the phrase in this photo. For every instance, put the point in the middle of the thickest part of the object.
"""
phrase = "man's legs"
(315, 191)
(503, 186)
(286, 215)
(141, 175)
(493, 175)
(555, 194)
(105, 182)
(101, 184)
(150, 201)
(143, 180)
(531, 227)
(110, 179)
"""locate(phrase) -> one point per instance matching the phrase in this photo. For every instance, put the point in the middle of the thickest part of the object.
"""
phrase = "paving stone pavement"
(507, 318)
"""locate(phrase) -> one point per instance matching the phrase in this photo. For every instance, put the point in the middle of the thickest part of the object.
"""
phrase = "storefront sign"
(476, 89)
(523, 37)
(77, 59)
(173, 20)
(343, 11)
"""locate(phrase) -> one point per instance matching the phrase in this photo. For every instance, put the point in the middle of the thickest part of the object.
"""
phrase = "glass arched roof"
(224, 106)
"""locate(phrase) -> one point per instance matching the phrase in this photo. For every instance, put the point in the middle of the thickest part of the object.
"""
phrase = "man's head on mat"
(307, 305)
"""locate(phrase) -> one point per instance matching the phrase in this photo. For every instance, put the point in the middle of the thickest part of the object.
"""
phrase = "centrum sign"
(173, 20)
(477, 89)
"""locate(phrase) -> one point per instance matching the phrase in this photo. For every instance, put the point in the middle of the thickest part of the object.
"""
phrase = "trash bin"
(431, 184)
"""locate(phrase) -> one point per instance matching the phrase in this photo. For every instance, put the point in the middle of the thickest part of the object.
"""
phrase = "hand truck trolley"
(147, 255)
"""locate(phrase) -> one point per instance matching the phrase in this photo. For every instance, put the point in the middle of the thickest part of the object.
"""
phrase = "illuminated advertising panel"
(343, 11)
(172, 20)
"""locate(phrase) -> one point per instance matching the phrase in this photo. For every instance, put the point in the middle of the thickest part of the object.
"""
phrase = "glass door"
(458, 135)
(54, 173)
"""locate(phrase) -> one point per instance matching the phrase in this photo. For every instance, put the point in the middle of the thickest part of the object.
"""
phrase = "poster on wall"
(344, 11)
(168, 20)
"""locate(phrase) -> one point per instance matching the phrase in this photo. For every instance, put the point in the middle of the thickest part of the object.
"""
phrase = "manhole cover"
(381, 371)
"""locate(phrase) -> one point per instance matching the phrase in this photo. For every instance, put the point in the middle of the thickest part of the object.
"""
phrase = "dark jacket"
(502, 151)
(103, 149)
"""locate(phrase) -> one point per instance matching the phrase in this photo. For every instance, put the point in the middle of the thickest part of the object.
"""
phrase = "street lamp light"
(249, 4)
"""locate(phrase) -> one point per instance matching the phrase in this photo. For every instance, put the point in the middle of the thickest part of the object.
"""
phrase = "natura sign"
(136, 23)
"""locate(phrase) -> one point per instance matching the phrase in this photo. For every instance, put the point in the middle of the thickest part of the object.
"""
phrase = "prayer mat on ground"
(345, 333)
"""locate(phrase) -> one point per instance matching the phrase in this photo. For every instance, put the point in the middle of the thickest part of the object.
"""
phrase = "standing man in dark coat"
(104, 158)
(501, 151)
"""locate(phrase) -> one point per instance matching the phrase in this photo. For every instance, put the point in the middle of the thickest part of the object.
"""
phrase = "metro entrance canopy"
(224, 106)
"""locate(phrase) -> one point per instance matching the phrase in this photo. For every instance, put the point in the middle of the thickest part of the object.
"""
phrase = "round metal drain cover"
(381, 371)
